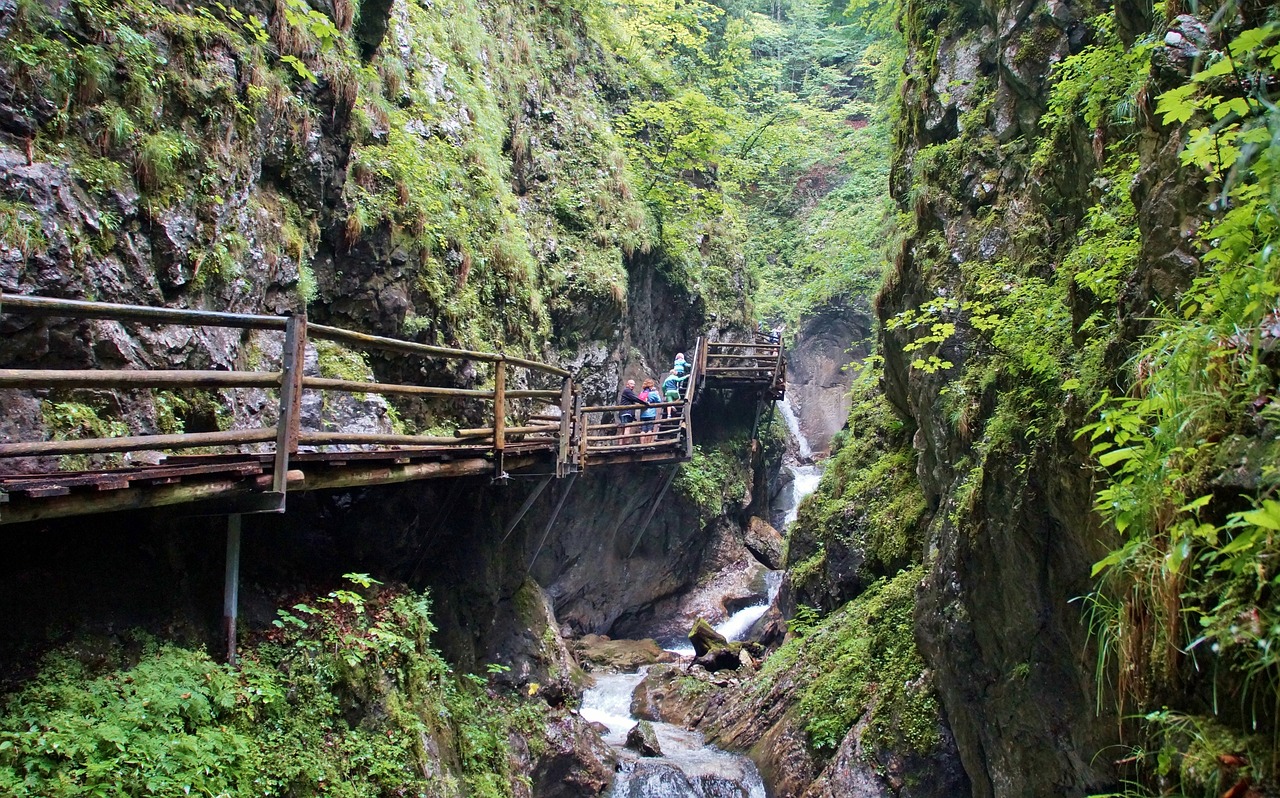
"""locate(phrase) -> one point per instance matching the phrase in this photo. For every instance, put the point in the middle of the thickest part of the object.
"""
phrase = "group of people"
(650, 394)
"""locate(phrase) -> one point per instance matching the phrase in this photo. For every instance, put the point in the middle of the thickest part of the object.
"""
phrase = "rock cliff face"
(1007, 176)
(822, 361)
(379, 173)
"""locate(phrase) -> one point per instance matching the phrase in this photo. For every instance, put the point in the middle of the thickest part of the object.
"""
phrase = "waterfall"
(793, 425)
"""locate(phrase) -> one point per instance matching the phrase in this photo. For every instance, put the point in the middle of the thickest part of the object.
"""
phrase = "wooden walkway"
(547, 428)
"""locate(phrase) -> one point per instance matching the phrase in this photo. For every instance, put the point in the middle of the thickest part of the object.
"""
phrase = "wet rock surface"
(817, 375)
(644, 740)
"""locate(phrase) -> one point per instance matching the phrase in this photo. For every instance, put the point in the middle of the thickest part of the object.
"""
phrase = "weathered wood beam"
(134, 378)
(357, 386)
(375, 439)
(136, 443)
(80, 309)
(230, 491)
(412, 348)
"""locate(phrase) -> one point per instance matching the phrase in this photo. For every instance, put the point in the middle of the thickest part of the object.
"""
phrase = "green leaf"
(1176, 104)
(1267, 516)
(1106, 562)
(1118, 455)
(1197, 504)
(1214, 70)
(1178, 553)
(1237, 105)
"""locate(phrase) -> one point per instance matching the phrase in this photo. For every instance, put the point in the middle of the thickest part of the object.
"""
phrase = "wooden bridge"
(543, 424)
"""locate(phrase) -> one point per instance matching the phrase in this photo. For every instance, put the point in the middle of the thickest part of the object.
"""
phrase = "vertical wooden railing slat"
(499, 416)
(287, 428)
(566, 427)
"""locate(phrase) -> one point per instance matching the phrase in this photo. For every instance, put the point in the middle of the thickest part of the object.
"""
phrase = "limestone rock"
(643, 739)
(764, 542)
(619, 655)
(575, 763)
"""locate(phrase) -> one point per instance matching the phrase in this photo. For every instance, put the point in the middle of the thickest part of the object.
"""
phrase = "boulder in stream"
(644, 740)
(705, 638)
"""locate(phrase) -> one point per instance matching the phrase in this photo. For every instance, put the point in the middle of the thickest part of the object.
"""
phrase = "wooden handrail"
(136, 378)
(81, 309)
(136, 443)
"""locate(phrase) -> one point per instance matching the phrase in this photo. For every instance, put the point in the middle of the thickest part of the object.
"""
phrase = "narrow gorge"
(974, 495)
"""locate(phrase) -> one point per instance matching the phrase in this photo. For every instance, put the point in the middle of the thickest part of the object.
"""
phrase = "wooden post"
(231, 586)
(566, 426)
(287, 428)
(499, 416)
(580, 422)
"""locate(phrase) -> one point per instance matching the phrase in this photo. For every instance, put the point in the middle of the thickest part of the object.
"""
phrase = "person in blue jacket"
(649, 395)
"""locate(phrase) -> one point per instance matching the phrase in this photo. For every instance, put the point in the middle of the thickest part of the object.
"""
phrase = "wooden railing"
(757, 363)
(670, 430)
(286, 435)
(548, 423)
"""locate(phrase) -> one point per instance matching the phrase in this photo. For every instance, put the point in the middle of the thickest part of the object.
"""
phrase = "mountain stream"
(688, 767)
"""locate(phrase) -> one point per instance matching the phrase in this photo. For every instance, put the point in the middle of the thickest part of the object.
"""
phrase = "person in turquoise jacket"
(671, 387)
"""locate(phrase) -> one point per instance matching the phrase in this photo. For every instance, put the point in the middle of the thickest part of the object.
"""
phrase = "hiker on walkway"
(671, 389)
(627, 418)
(650, 396)
(681, 366)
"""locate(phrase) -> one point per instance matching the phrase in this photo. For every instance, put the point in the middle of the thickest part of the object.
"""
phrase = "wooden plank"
(112, 501)
(82, 478)
(135, 378)
(389, 389)
(136, 443)
(499, 417)
(634, 447)
(80, 309)
(412, 348)
(326, 333)
(608, 408)
(489, 431)
(42, 491)
(566, 431)
(117, 483)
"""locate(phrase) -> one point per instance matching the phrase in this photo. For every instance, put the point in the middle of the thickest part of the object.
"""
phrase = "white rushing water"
(804, 480)
(735, 627)
(688, 767)
(793, 426)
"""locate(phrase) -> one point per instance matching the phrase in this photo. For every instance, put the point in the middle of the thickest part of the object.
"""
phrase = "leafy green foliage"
(173, 722)
(714, 477)
(20, 228)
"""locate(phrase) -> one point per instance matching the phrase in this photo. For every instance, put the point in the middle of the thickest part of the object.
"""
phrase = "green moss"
(71, 421)
(861, 662)
(20, 228)
(869, 498)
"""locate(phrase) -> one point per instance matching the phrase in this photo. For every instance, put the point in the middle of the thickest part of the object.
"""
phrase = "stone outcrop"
(821, 364)
(642, 739)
